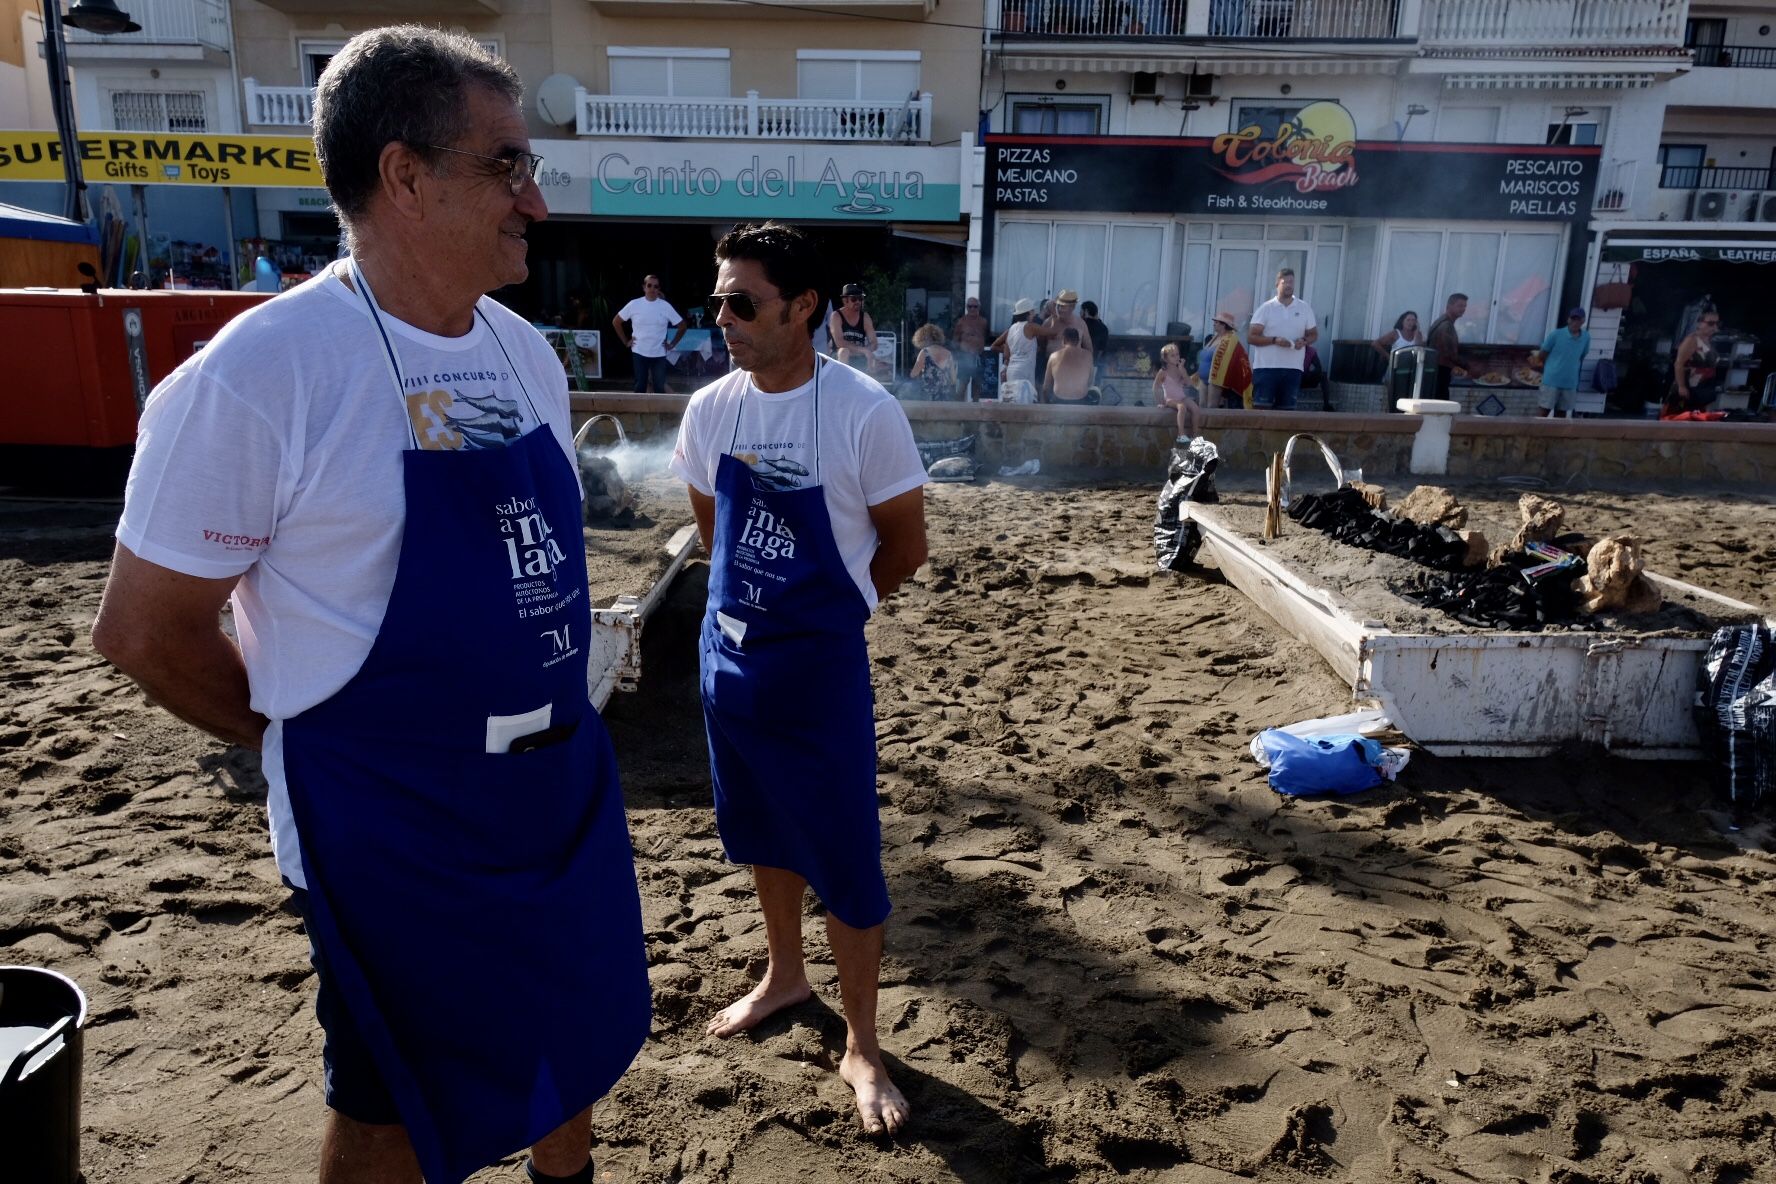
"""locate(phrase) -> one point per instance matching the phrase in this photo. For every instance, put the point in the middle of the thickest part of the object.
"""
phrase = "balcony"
(278, 106)
(902, 121)
(1551, 28)
(1730, 194)
(199, 24)
(1137, 20)
(1727, 78)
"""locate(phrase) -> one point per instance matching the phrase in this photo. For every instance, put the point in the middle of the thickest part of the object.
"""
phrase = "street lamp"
(96, 16)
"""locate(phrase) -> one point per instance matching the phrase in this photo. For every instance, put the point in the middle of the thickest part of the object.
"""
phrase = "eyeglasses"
(849, 299)
(743, 306)
(523, 166)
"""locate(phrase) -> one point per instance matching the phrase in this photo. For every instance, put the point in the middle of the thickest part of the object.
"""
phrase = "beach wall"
(1135, 441)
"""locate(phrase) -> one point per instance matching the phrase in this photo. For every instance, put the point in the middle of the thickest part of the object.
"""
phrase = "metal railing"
(167, 22)
(1552, 24)
(1362, 19)
(1757, 57)
(1615, 186)
(866, 120)
(1093, 18)
(1696, 176)
(278, 106)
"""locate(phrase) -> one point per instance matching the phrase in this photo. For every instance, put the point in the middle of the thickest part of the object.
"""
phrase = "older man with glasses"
(374, 467)
(806, 486)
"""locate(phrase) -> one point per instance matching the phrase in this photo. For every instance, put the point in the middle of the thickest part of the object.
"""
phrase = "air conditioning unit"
(1199, 86)
(1708, 205)
(1761, 207)
(1144, 86)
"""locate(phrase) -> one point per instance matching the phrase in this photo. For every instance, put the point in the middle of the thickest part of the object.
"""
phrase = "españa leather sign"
(147, 158)
(1310, 171)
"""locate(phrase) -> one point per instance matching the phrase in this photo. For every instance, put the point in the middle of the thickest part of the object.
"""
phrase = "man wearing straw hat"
(376, 469)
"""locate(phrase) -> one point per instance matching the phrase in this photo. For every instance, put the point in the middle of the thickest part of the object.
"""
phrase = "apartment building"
(663, 122)
(1169, 156)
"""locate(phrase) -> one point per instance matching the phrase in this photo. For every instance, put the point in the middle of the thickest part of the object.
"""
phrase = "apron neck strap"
(740, 414)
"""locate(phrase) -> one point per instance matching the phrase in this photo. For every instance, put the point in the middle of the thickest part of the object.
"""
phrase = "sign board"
(724, 181)
(148, 158)
(1678, 251)
(1291, 173)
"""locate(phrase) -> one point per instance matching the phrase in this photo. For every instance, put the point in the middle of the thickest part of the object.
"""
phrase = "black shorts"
(354, 1084)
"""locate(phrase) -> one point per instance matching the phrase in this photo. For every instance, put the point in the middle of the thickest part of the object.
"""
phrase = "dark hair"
(406, 84)
(1401, 323)
(1453, 297)
(1070, 335)
(789, 259)
(1089, 308)
(1285, 271)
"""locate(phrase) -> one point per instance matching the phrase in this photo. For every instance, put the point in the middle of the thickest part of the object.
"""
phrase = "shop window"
(1038, 115)
(1020, 266)
(1359, 282)
(1331, 234)
(158, 111)
(1324, 295)
(1269, 117)
(1131, 290)
(1470, 264)
(1078, 259)
(1409, 276)
(1525, 288)
(672, 73)
(1680, 165)
(1200, 232)
(1239, 230)
(847, 75)
(1193, 290)
(1285, 232)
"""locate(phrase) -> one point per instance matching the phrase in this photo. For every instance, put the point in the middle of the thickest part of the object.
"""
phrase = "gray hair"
(405, 83)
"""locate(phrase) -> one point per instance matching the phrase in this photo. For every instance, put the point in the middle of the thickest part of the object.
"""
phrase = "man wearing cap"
(1018, 344)
(1281, 331)
(1562, 353)
(1225, 366)
(853, 333)
(969, 334)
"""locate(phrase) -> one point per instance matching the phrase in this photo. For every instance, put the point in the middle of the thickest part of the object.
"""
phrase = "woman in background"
(935, 367)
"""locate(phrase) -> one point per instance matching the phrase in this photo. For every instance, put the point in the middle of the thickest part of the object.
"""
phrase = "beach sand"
(1115, 954)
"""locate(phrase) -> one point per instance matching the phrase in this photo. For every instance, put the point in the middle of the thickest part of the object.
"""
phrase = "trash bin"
(1412, 374)
(42, 1029)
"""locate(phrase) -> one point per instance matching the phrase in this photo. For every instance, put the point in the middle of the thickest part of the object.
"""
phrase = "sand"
(1116, 954)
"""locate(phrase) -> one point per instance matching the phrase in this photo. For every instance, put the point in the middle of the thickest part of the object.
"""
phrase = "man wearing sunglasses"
(806, 486)
(374, 467)
(853, 333)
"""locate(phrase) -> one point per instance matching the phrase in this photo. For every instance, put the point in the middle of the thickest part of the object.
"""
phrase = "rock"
(1433, 505)
(1375, 495)
(953, 468)
(1615, 578)
(1542, 519)
(608, 500)
(1479, 550)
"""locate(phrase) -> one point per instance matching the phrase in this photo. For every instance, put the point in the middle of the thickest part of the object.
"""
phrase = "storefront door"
(1235, 284)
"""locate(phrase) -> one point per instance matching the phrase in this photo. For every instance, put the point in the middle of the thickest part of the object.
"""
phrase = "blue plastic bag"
(1321, 764)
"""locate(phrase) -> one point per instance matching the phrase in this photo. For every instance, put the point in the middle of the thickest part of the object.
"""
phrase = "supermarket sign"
(146, 158)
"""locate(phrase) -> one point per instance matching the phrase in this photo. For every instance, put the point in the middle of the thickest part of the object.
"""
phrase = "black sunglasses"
(742, 305)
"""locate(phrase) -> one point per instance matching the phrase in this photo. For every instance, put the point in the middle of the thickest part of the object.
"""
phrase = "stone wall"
(1133, 442)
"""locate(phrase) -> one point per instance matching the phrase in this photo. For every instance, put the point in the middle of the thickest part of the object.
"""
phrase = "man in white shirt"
(650, 318)
(367, 466)
(1280, 333)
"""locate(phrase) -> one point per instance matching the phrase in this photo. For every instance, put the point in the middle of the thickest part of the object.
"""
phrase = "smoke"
(634, 461)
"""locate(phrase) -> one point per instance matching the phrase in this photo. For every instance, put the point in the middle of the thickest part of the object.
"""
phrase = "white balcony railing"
(905, 121)
(167, 22)
(1615, 187)
(1303, 18)
(1563, 25)
(278, 106)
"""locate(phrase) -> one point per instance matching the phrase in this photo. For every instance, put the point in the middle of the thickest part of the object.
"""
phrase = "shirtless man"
(968, 336)
(1069, 373)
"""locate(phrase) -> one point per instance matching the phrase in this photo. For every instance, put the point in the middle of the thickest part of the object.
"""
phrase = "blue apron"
(478, 910)
(786, 689)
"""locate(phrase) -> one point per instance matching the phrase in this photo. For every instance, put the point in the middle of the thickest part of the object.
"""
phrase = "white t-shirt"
(864, 455)
(1292, 321)
(649, 321)
(276, 452)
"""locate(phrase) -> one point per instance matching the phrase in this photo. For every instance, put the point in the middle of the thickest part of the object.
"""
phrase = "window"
(1576, 125)
(850, 75)
(1508, 277)
(313, 56)
(1040, 115)
(1708, 38)
(1117, 265)
(1268, 116)
(1680, 165)
(675, 73)
(158, 111)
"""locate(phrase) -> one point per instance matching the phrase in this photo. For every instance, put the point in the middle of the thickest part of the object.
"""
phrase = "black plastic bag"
(1736, 710)
(1189, 477)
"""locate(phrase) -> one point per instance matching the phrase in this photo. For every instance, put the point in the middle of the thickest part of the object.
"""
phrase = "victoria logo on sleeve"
(1315, 151)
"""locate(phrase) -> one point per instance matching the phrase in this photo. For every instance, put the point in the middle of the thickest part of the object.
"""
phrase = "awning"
(1676, 250)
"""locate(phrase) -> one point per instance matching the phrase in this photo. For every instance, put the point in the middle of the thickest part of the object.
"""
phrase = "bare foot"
(880, 1103)
(762, 1001)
